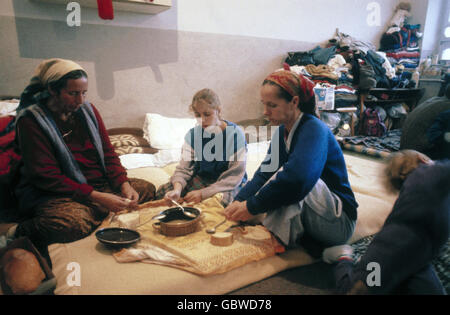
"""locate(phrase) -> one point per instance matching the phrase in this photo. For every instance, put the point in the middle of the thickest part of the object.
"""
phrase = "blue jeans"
(319, 214)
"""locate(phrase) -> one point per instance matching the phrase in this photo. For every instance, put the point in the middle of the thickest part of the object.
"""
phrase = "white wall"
(310, 21)
(154, 63)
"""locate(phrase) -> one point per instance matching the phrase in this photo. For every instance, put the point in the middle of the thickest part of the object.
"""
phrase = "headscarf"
(294, 84)
(48, 71)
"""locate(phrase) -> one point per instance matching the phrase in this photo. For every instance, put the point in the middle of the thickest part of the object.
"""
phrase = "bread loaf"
(222, 239)
(22, 271)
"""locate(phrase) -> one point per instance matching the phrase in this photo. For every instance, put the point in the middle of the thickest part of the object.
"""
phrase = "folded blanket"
(322, 71)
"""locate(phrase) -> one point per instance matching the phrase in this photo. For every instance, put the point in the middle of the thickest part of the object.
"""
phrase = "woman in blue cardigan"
(302, 185)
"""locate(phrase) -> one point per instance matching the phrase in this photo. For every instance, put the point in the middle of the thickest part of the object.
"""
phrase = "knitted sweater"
(314, 153)
(216, 157)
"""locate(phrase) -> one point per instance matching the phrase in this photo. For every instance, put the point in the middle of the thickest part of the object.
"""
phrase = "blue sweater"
(314, 153)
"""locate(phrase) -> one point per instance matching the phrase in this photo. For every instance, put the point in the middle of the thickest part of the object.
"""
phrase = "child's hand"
(172, 195)
(194, 196)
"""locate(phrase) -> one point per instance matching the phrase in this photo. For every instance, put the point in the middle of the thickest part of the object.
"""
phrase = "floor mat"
(373, 146)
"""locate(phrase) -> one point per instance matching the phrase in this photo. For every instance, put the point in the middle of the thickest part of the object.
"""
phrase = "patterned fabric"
(373, 146)
(295, 85)
(128, 143)
(365, 150)
(128, 140)
(62, 220)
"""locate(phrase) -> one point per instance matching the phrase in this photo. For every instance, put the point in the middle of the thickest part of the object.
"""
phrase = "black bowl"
(177, 214)
(117, 237)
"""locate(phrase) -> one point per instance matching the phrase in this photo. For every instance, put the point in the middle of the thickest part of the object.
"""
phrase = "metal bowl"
(114, 236)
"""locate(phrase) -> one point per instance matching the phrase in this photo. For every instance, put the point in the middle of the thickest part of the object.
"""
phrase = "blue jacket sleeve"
(300, 173)
(260, 177)
(440, 126)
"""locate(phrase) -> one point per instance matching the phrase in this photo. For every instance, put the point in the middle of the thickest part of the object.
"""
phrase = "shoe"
(5, 227)
(334, 254)
(7, 232)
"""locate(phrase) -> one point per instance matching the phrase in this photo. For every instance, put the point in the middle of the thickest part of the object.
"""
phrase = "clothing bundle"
(405, 37)
(345, 96)
(409, 59)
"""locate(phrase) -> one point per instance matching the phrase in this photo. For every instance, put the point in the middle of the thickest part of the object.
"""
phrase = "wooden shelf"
(398, 100)
(409, 96)
(137, 6)
(391, 96)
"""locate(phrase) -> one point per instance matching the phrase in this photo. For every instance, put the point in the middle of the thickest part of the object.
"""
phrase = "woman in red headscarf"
(302, 185)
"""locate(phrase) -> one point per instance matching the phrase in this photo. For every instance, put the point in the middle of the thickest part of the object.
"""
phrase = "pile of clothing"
(345, 96)
(353, 67)
(329, 65)
(401, 44)
(403, 54)
(409, 59)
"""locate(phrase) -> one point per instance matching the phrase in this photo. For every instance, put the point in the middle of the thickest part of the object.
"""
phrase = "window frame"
(444, 42)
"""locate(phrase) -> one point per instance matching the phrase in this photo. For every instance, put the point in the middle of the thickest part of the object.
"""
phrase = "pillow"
(8, 107)
(128, 140)
(166, 133)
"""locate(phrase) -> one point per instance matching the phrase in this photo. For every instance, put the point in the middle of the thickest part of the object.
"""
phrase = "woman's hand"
(237, 211)
(130, 193)
(194, 196)
(109, 202)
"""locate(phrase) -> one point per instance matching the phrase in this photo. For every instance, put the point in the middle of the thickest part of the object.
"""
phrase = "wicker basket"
(176, 223)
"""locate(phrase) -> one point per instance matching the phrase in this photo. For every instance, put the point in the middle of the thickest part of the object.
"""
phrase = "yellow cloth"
(322, 71)
(51, 70)
(194, 252)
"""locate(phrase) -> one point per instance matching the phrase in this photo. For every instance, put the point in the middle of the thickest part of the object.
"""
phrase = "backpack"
(372, 124)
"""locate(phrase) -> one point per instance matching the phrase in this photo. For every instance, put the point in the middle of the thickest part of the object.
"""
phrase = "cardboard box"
(47, 285)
